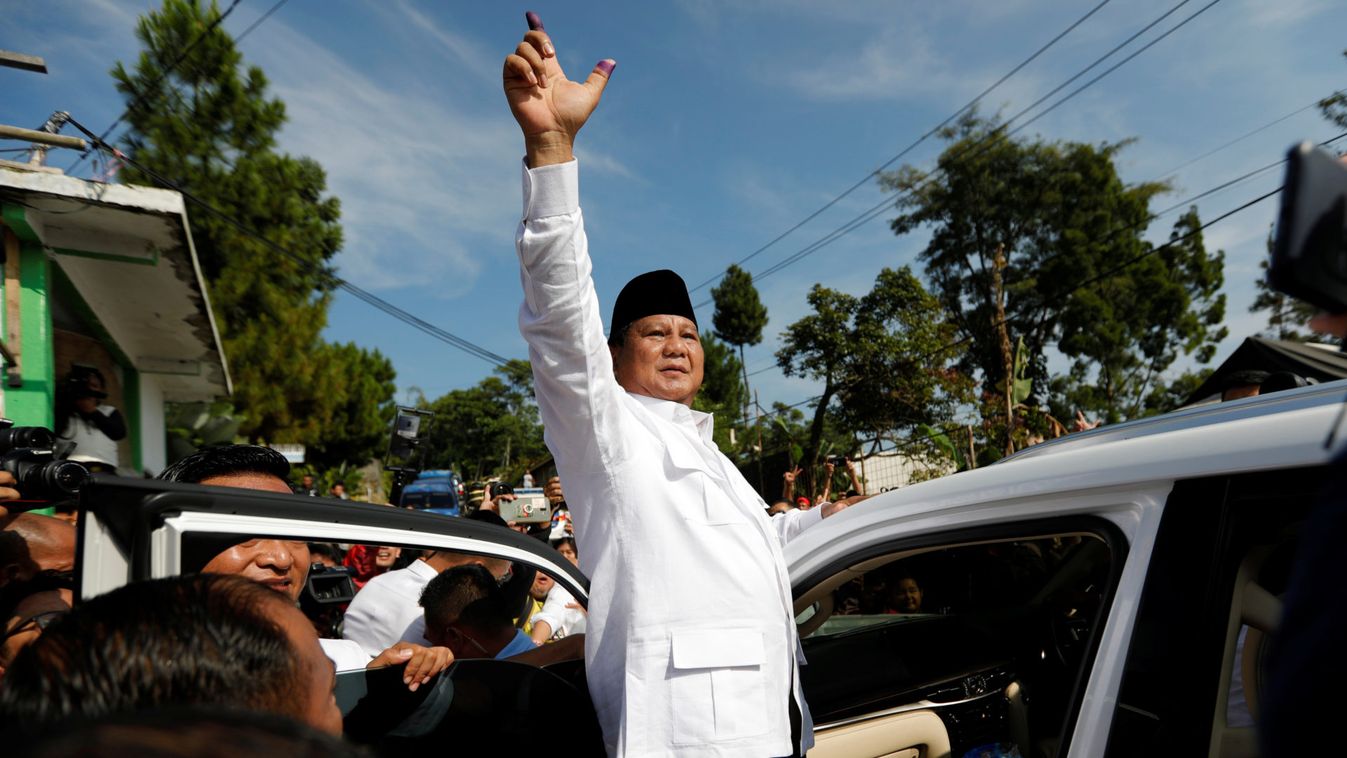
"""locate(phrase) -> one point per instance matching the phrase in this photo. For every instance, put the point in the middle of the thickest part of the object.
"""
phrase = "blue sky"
(725, 123)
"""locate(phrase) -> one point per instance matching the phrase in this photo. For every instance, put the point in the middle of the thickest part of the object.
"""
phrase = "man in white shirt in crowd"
(691, 647)
(387, 609)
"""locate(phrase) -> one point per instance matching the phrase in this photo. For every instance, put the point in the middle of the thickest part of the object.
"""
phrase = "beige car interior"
(910, 731)
(1254, 607)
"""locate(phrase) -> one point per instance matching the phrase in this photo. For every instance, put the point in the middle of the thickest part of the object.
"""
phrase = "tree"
(1284, 313)
(489, 429)
(1125, 331)
(209, 126)
(883, 356)
(1057, 211)
(360, 407)
(739, 316)
(722, 393)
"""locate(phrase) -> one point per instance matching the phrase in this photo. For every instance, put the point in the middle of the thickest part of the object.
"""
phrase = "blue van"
(438, 491)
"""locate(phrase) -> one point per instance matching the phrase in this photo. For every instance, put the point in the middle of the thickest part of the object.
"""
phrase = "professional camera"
(27, 453)
(325, 595)
(1309, 257)
(496, 489)
(77, 384)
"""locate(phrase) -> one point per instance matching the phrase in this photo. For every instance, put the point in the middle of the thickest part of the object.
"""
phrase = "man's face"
(308, 481)
(661, 357)
(318, 679)
(282, 565)
(542, 584)
(1242, 391)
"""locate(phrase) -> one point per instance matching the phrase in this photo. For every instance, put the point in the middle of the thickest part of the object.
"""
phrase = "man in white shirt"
(691, 647)
(387, 610)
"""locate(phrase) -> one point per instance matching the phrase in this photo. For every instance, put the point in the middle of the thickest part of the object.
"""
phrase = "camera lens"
(26, 436)
(65, 476)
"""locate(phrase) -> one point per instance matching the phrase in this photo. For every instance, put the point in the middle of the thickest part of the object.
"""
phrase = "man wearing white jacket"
(691, 647)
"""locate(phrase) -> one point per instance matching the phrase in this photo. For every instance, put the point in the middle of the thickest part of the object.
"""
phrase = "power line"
(1187, 201)
(866, 179)
(986, 141)
(138, 101)
(261, 20)
(331, 278)
(1244, 136)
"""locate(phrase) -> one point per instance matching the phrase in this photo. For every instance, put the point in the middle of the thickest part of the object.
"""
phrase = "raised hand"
(549, 107)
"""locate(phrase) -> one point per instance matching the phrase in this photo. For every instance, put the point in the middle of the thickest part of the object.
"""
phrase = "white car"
(1107, 594)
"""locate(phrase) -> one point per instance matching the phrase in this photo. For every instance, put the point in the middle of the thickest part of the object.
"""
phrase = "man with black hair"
(692, 644)
(1242, 384)
(194, 732)
(466, 612)
(188, 640)
(31, 543)
(283, 565)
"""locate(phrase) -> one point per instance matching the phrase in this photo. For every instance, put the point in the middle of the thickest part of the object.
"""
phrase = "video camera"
(28, 453)
(325, 594)
(1309, 257)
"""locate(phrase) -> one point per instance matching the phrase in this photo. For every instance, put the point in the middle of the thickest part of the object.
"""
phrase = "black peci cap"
(654, 293)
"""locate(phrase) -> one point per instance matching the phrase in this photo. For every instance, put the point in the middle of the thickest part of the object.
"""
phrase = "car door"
(133, 530)
(943, 620)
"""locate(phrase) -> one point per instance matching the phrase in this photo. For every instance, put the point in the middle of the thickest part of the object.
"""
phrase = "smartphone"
(1309, 256)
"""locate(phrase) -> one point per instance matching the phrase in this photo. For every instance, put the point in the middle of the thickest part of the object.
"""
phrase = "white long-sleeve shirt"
(387, 609)
(691, 647)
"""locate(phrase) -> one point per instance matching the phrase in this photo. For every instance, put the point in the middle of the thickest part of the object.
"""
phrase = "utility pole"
(11, 59)
(48, 135)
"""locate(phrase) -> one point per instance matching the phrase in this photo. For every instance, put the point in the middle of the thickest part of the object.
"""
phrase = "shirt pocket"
(703, 499)
(716, 687)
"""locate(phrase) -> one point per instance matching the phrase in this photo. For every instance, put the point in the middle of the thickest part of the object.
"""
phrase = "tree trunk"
(1003, 334)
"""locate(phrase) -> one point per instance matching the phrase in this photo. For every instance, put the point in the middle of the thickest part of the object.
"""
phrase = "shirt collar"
(702, 423)
(422, 570)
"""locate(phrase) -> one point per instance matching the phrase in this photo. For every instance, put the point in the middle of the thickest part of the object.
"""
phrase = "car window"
(991, 637)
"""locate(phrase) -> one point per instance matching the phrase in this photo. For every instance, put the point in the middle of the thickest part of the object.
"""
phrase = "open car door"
(135, 529)
(972, 633)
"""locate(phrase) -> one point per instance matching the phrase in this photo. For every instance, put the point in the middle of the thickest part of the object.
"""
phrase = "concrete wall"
(153, 455)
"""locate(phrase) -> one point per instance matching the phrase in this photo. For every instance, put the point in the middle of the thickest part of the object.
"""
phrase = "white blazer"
(691, 648)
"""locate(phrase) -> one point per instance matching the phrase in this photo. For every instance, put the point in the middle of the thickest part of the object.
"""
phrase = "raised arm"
(788, 485)
(572, 368)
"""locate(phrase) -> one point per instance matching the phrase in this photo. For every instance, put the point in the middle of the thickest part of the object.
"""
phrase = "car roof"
(1277, 431)
(1205, 415)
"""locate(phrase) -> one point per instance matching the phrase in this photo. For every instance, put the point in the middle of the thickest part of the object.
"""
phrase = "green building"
(103, 275)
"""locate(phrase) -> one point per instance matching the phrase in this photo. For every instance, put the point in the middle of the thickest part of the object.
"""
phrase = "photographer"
(94, 428)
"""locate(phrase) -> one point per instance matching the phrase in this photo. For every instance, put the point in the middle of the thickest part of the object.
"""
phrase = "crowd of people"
(240, 628)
